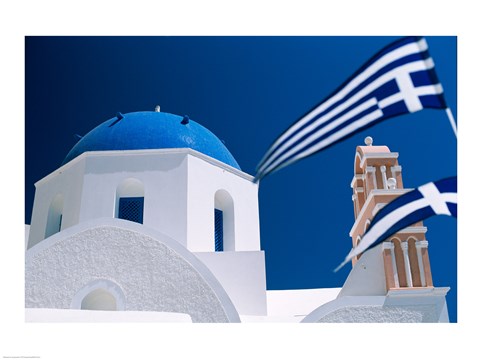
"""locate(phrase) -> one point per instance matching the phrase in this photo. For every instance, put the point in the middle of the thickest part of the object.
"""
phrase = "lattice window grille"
(131, 208)
(218, 230)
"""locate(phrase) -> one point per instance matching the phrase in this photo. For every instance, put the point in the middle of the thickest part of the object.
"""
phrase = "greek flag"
(433, 198)
(400, 79)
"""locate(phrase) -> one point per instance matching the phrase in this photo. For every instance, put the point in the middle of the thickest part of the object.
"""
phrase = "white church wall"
(422, 298)
(402, 306)
(205, 179)
(298, 303)
(180, 187)
(367, 276)
(163, 175)
(152, 271)
(242, 275)
(27, 233)
(66, 181)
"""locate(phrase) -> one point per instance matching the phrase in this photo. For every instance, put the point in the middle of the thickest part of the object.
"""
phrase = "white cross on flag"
(434, 198)
(400, 79)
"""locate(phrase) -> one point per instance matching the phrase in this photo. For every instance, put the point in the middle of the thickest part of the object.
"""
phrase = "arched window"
(218, 230)
(100, 294)
(367, 225)
(54, 217)
(400, 262)
(224, 220)
(99, 299)
(357, 242)
(414, 266)
(130, 200)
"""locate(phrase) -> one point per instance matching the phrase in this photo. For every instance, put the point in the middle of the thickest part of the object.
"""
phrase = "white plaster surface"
(90, 316)
(67, 181)
(204, 180)
(412, 307)
(27, 233)
(379, 314)
(164, 179)
(298, 303)
(154, 272)
(242, 275)
(367, 276)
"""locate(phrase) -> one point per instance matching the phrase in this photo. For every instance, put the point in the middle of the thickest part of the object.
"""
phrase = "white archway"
(54, 216)
(100, 294)
(129, 200)
(99, 299)
(224, 204)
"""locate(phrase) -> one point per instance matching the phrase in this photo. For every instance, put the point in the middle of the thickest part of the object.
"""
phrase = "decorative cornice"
(379, 155)
(387, 245)
(413, 230)
(187, 151)
(423, 244)
(423, 291)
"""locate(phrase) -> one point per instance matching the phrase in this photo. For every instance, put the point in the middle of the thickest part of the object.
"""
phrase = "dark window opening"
(218, 230)
(131, 208)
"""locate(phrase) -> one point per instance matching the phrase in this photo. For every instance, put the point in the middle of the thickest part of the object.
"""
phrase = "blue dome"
(152, 130)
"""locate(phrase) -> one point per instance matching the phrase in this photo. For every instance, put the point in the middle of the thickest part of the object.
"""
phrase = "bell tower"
(377, 180)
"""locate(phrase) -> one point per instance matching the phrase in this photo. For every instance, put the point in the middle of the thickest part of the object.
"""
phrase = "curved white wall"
(99, 294)
(422, 305)
(153, 272)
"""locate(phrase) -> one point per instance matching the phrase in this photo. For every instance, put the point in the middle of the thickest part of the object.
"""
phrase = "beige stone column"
(426, 263)
(391, 274)
(419, 245)
(408, 272)
(371, 178)
(383, 169)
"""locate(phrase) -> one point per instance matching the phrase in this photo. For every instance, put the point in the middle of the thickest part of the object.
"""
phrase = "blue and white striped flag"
(433, 198)
(400, 79)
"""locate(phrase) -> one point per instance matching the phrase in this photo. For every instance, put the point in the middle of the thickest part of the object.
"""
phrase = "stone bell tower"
(377, 180)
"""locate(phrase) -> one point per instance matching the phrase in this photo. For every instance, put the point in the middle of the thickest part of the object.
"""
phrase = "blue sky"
(248, 90)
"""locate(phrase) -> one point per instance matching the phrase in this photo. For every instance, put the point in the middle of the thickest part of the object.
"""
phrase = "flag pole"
(452, 120)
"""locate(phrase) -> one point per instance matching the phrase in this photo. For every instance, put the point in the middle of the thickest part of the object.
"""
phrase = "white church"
(151, 219)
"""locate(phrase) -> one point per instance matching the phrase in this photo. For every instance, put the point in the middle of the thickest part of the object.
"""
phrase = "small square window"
(131, 208)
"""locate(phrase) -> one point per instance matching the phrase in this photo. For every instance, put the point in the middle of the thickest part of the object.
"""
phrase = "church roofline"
(187, 151)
